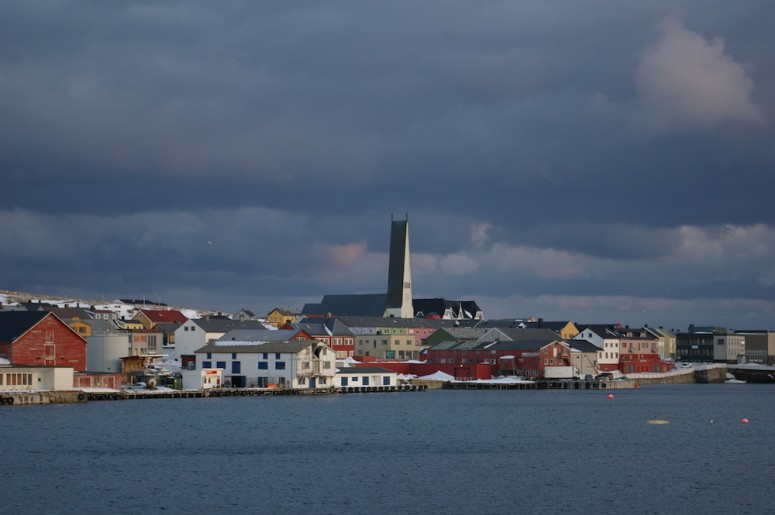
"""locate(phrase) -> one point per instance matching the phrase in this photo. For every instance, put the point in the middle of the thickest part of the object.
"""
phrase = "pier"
(78, 396)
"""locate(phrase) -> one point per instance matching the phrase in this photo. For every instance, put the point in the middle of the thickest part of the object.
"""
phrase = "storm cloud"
(597, 161)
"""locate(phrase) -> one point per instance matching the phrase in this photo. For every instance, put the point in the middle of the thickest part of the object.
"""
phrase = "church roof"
(360, 305)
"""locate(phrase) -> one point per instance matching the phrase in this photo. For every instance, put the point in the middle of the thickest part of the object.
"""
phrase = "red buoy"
(610, 396)
(744, 421)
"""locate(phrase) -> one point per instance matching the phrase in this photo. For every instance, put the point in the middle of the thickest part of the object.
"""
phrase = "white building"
(365, 376)
(28, 378)
(282, 364)
(607, 339)
(194, 333)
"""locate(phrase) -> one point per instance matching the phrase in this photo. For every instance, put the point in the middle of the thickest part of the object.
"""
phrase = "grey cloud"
(257, 150)
(690, 82)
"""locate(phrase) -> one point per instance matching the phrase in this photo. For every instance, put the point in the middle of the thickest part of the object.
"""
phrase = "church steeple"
(399, 294)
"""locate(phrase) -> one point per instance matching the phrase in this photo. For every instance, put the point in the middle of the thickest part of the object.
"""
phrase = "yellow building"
(278, 317)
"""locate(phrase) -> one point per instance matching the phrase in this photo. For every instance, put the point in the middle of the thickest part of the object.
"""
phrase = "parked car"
(137, 386)
(605, 376)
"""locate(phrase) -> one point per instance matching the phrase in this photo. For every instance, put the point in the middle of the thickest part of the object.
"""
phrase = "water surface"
(415, 452)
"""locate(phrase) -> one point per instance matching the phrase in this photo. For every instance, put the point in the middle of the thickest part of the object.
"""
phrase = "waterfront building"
(584, 357)
(526, 358)
(194, 333)
(710, 344)
(606, 339)
(40, 338)
(759, 346)
(365, 376)
(638, 351)
(282, 363)
(21, 378)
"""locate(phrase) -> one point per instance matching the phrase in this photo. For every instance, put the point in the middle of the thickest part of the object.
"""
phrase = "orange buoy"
(610, 396)
(744, 421)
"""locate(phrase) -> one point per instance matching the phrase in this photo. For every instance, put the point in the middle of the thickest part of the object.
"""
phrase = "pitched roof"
(555, 326)
(162, 315)
(221, 325)
(527, 334)
(490, 345)
(368, 304)
(281, 346)
(287, 311)
(259, 335)
(601, 330)
(14, 324)
(64, 313)
(583, 346)
(324, 327)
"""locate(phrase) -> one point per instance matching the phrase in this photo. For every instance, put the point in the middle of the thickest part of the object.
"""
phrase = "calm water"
(416, 452)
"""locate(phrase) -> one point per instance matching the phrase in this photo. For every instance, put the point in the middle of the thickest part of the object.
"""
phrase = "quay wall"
(753, 375)
(55, 397)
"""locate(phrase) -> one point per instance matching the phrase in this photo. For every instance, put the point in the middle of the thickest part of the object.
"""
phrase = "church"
(398, 301)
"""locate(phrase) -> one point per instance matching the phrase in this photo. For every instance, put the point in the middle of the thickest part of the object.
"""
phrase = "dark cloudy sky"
(593, 160)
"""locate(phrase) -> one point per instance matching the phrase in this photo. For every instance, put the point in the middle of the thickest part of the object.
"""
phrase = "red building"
(638, 352)
(527, 358)
(40, 338)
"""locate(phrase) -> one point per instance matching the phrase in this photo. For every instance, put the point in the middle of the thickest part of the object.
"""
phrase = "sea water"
(444, 451)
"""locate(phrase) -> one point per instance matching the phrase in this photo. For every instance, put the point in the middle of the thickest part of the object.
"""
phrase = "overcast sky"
(592, 160)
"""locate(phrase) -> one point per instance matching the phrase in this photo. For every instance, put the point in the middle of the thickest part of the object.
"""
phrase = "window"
(265, 355)
(209, 355)
(233, 355)
(236, 366)
(220, 364)
(207, 364)
(193, 328)
(277, 355)
(279, 365)
(326, 364)
(263, 365)
(322, 380)
(305, 365)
